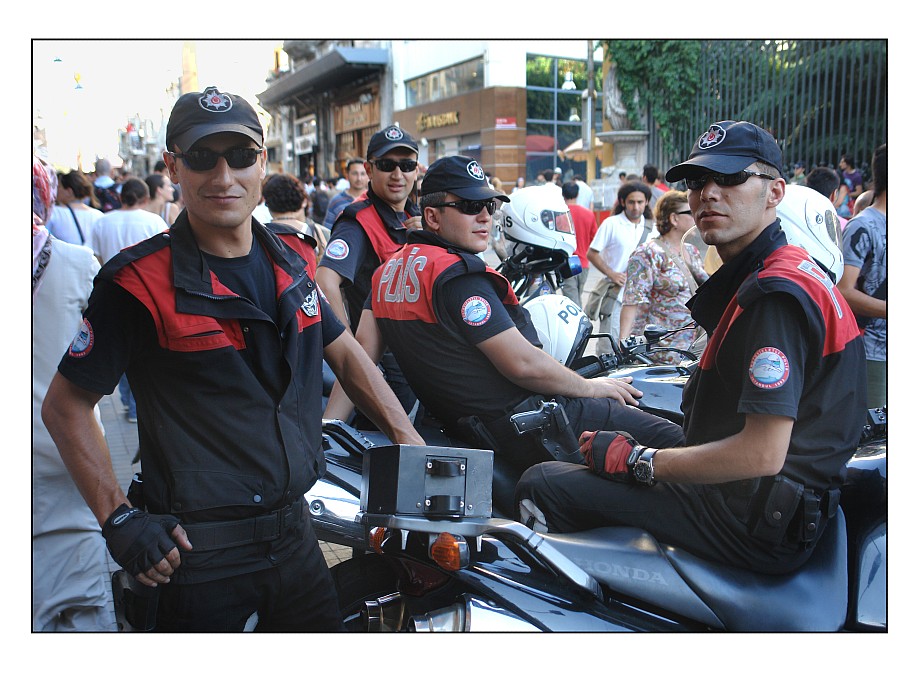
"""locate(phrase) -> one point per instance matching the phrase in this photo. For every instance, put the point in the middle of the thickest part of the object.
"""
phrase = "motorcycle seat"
(630, 561)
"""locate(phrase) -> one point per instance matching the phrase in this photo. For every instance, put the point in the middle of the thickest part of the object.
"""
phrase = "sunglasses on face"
(470, 207)
(389, 165)
(725, 179)
(205, 160)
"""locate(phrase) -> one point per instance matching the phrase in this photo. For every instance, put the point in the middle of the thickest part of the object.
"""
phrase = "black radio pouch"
(779, 502)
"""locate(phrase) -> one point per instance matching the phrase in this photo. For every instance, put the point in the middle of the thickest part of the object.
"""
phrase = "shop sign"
(506, 122)
(304, 144)
(427, 121)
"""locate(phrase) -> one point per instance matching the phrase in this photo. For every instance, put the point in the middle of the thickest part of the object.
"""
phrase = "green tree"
(657, 75)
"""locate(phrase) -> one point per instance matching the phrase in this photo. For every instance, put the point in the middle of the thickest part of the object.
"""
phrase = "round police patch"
(338, 249)
(712, 137)
(769, 368)
(476, 311)
(82, 343)
(475, 170)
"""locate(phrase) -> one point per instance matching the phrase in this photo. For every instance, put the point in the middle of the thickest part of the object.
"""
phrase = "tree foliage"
(659, 75)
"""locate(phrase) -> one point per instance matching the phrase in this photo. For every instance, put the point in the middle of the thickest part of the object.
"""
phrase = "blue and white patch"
(338, 249)
(476, 311)
(475, 170)
(393, 133)
(769, 368)
(214, 101)
(82, 343)
(712, 137)
(310, 305)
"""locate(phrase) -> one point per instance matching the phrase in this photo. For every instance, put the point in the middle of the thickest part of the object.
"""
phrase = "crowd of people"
(212, 294)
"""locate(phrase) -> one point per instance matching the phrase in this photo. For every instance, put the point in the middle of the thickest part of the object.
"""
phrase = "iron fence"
(819, 98)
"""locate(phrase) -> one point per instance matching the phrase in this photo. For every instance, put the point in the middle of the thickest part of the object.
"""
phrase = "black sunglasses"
(684, 212)
(725, 179)
(470, 207)
(205, 160)
(389, 165)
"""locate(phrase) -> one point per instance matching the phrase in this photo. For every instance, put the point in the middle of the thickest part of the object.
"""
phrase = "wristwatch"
(644, 469)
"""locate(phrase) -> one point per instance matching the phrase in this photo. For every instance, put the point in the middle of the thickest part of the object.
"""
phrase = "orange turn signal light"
(450, 552)
(376, 538)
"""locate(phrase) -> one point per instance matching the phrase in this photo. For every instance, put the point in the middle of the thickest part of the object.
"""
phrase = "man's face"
(470, 232)
(730, 218)
(393, 186)
(634, 205)
(221, 197)
(357, 177)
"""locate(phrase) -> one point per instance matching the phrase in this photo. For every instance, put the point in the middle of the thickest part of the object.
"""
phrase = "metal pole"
(587, 118)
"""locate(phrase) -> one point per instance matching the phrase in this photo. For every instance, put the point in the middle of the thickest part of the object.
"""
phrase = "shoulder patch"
(769, 368)
(82, 343)
(476, 311)
(338, 249)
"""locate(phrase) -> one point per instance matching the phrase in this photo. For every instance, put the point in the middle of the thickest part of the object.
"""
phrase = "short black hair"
(352, 162)
(569, 190)
(650, 172)
(823, 180)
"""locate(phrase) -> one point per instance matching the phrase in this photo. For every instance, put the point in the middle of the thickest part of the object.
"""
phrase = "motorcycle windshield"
(557, 221)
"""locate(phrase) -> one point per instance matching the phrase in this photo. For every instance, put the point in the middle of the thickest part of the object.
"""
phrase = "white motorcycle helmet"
(538, 216)
(809, 221)
(562, 326)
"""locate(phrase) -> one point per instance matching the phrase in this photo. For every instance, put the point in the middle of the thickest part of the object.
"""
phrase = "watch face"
(642, 471)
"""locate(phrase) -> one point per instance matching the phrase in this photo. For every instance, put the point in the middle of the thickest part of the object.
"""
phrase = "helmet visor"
(555, 220)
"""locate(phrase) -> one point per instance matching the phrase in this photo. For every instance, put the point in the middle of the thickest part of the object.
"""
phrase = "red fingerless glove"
(606, 453)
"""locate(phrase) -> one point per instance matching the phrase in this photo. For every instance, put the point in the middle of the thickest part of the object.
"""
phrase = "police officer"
(468, 349)
(774, 410)
(368, 231)
(222, 332)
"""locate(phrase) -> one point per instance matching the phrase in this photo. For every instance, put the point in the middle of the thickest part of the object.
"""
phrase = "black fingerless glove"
(138, 540)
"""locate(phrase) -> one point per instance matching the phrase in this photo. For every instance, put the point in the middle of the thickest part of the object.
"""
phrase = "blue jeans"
(127, 397)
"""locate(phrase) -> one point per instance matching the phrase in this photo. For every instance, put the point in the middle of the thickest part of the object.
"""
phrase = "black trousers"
(516, 453)
(296, 596)
(563, 497)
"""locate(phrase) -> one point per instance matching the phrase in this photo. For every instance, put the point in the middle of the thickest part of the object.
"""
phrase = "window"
(453, 81)
(554, 111)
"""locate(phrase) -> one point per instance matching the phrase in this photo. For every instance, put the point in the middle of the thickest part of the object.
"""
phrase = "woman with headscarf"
(69, 568)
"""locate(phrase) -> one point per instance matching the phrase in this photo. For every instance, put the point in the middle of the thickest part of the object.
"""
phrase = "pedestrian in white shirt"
(614, 242)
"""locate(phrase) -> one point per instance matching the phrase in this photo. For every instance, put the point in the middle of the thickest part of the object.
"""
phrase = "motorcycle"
(430, 553)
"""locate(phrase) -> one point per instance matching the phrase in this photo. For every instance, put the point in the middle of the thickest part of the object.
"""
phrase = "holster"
(785, 510)
(532, 432)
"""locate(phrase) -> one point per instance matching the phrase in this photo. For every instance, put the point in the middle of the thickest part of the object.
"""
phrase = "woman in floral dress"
(661, 277)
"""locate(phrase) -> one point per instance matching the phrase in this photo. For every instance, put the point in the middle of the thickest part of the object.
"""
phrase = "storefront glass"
(554, 109)
(453, 81)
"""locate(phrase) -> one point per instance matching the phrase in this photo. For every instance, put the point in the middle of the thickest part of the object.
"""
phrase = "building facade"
(513, 105)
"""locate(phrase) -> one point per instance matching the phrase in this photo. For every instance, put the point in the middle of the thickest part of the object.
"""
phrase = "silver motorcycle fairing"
(631, 562)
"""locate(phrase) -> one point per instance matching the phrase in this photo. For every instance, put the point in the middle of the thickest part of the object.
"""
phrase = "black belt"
(224, 534)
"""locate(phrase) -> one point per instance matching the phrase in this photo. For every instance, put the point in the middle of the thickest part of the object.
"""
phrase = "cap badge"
(393, 133)
(712, 137)
(214, 101)
(475, 170)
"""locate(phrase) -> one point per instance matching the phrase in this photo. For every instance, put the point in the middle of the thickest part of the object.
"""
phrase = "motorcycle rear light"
(450, 552)
(376, 538)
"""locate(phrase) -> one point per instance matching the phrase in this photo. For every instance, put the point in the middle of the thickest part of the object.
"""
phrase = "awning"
(340, 66)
